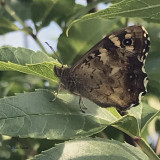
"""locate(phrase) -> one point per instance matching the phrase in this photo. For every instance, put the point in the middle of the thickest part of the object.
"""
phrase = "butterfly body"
(112, 72)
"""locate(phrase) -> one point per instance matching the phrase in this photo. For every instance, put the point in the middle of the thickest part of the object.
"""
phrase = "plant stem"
(146, 149)
(38, 42)
(25, 28)
(13, 14)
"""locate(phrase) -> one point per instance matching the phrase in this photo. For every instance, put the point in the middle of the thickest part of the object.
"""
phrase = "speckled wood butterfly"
(112, 72)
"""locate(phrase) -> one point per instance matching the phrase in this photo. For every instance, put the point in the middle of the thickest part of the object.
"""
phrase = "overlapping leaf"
(27, 61)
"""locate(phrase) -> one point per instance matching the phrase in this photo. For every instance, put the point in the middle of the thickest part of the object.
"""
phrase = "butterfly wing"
(112, 72)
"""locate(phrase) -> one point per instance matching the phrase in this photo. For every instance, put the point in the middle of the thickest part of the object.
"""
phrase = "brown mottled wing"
(112, 72)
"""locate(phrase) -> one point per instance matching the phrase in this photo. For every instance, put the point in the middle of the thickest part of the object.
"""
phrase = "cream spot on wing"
(144, 50)
(111, 36)
(132, 105)
(140, 59)
(143, 69)
(144, 35)
(104, 55)
(92, 55)
(103, 50)
(115, 40)
(127, 36)
(87, 59)
(145, 41)
(140, 96)
(144, 61)
(144, 30)
(146, 54)
(129, 48)
(145, 82)
(114, 70)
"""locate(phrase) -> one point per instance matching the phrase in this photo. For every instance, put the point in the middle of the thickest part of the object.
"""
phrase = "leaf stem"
(146, 149)
(38, 42)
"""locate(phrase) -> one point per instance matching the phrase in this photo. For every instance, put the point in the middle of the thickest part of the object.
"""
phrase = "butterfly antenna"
(54, 53)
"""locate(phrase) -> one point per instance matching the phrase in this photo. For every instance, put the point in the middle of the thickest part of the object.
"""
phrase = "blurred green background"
(36, 22)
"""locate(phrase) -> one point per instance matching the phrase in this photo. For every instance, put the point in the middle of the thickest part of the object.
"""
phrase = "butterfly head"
(66, 80)
(62, 73)
(59, 71)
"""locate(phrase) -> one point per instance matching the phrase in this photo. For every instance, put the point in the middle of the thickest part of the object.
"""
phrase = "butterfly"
(111, 73)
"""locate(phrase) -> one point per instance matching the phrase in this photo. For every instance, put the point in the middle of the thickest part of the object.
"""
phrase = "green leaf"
(36, 115)
(146, 148)
(44, 70)
(137, 112)
(153, 59)
(148, 115)
(152, 69)
(20, 8)
(126, 8)
(23, 56)
(48, 10)
(7, 26)
(93, 149)
(129, 125)
(80, 10)
(28, 61)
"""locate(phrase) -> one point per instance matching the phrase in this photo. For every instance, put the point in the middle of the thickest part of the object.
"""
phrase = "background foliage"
(30, 122)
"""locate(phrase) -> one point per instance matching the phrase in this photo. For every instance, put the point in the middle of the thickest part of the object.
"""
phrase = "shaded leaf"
(20, 7)
(93, 149)
(7, 26)
(153, 60)
(46, 11)
(35, 115)
(148, 114)
(129, 125)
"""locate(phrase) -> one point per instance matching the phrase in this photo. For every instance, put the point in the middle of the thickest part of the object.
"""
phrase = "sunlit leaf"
(126, 8)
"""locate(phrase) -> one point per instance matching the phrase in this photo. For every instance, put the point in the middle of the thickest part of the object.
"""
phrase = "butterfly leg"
(56, 94)
(81, 102)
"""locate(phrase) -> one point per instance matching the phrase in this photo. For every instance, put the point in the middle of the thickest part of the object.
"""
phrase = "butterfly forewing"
(112, 72)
